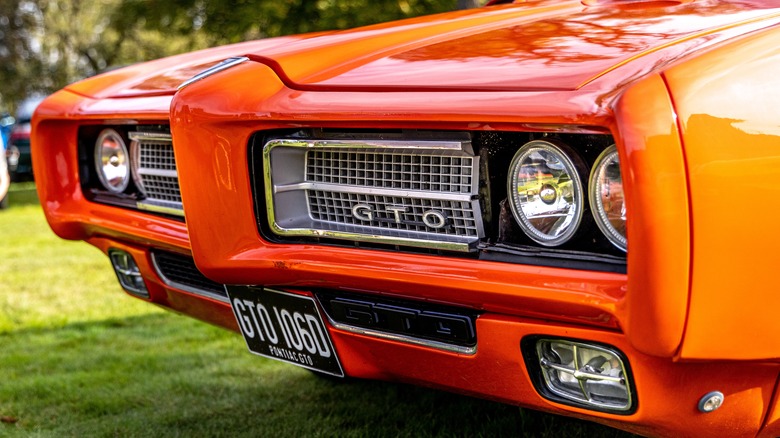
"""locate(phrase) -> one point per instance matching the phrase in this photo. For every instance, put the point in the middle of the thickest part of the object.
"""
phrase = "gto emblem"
(431, 218)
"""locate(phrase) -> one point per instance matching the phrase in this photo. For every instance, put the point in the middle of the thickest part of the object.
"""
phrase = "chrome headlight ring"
(112, 161)
(546, 192)
(606, 197)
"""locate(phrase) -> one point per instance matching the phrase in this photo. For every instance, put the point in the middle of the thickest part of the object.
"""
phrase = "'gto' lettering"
(300, 331)
(246, 323)
(304, 359)
(434, 219)
(363, 212)
(255, 320)
(396, 212)
(431, 218)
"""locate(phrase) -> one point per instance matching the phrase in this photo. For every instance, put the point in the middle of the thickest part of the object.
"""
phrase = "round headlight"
(545, 191)
(606, 197)
(112, 161)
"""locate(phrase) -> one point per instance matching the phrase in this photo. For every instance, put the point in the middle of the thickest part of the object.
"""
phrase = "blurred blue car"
(6, 121)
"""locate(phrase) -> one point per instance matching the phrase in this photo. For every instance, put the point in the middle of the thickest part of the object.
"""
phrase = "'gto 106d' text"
(299, 331)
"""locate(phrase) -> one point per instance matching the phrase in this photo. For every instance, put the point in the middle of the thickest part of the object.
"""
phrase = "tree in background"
(47, 44)
(251, 19)
(18, 62)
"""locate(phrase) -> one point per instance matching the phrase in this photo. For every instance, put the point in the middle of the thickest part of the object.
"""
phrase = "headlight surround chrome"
(112, 161)
(546, 192)
(607, 203)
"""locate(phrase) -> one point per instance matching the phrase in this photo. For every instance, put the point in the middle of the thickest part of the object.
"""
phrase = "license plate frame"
(284, 326)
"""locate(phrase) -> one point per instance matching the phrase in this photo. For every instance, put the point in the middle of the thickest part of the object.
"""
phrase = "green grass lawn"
(78, 358)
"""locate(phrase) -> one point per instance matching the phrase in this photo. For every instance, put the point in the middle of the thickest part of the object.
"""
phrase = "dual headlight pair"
(545, 188)
(547, 196)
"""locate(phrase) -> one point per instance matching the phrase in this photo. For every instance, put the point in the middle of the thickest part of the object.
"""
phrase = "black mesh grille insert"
(181, 270)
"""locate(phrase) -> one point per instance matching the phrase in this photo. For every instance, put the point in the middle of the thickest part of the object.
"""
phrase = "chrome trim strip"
(186, 288)
(141, 135)
(357, 237)
(338, 188)
(470, 351)
(366, 144)
(224, 65)
(174, 209)
(158, 172)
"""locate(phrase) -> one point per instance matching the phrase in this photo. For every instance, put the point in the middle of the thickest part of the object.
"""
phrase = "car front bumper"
(667, 393)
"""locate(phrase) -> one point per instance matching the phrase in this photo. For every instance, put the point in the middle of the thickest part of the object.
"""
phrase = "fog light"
(128, 273)
(582, 374)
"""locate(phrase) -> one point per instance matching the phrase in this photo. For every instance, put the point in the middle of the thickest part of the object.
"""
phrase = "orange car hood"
(538, 45)
(163, 76)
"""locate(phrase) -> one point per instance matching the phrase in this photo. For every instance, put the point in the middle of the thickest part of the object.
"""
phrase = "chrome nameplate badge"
(430, 218)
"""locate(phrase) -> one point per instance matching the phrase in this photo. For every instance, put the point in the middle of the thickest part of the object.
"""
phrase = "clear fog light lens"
(128, 273)
(112, 161)
(606, 197)
(545, 192)
(587, 374)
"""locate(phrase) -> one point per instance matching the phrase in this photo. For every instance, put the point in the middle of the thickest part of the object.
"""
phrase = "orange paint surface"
(688, 92)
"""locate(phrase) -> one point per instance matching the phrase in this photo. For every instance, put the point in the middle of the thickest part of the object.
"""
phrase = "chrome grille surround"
(420, 193)
(154, 172)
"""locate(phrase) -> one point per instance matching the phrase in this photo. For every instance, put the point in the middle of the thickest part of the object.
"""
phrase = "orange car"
(542, 203)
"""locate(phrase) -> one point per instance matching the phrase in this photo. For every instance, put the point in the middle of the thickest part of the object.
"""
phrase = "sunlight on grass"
(78, 357)
(46, 281)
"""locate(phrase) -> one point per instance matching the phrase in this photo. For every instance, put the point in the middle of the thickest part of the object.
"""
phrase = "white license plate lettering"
(284, 326)
(318, 335)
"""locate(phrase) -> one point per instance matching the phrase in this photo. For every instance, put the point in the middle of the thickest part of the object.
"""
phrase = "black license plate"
(285, 327)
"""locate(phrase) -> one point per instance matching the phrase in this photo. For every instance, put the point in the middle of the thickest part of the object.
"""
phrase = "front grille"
(154, 172)
(416, 193)
(337, 207)
(179, 271)
(391, 170)
(157, 155)
(428, 192)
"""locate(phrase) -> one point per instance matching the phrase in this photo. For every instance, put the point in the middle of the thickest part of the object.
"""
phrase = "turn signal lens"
(112, 161)
(606, 197)
(545, 191)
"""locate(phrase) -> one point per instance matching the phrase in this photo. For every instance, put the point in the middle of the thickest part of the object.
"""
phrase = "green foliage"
(252, 19)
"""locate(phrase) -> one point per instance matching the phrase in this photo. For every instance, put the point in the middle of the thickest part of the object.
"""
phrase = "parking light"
(128, 273)
(592, 376)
